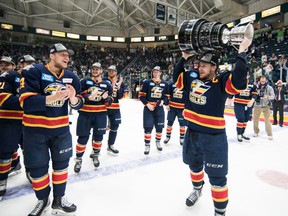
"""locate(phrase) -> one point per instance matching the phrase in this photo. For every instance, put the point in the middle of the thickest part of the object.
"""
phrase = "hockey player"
(97, 94)
(45, 92)
(23, 61)
(205, 144)
(175, 109)
(154, 94)
(6, 64)
(114, 114)
(243, 105)
(11, 115)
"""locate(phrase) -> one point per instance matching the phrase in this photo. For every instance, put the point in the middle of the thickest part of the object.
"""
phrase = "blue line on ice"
(22, 190)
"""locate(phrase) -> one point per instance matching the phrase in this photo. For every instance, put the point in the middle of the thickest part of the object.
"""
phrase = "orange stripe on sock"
(220, 194)
(197, 177)
(40, 183)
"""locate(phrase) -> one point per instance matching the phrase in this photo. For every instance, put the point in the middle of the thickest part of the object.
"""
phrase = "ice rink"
(132, 184)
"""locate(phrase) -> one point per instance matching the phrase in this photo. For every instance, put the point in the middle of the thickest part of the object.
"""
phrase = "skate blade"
(14, 173)
(60, 212)
(112, 153)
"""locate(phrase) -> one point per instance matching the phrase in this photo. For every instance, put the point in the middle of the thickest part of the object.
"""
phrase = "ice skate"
(158, 145)
(41, 207)
(181, 141)
(147, 149)
(95, 160)
(112, 149)
(166, 140)
(193, 197)
(3, 186)
(239, 138)
(78, 165)
(61, 206)
(245, 137)
(15, 170)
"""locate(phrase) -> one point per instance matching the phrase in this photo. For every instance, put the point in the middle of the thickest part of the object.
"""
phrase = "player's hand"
(72, 94)
(61, 94)
(244, 45)
(150, 107)
(250, 103)
(168, 108)
(186, 54)
(105, 95)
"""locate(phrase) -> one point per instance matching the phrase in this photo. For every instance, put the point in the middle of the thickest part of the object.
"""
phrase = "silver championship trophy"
(200, 35)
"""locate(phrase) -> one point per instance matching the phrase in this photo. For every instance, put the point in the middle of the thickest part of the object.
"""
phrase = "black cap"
(210, 58)
(26, 58)
(58, 47)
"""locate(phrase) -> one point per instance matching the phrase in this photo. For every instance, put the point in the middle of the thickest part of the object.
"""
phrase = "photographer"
(262, 104)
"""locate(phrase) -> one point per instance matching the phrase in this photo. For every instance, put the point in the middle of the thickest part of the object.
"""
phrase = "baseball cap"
(96, 64)
(157, 68)
(210, 58)
(7, 60)
(26, 58)
(58, 47)
(112, 67)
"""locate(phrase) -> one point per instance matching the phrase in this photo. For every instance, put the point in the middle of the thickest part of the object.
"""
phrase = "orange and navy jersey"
(153, 92)
(36, 84)
(118, 93)
(246, 95)
(89, 87)
(9, 96)
(177, 97)
(205, 100)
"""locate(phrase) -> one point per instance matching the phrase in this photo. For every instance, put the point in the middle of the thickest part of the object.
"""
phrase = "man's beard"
(95, 75)
(59, 66)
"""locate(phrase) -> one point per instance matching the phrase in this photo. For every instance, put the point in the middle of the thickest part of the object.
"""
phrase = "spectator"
(280, 35)
(280, 91)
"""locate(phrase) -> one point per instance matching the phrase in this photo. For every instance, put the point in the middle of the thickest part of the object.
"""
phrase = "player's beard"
(97, 75)
(59, 65)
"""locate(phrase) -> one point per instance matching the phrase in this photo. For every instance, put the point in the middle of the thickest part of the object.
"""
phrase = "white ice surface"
(132, 184)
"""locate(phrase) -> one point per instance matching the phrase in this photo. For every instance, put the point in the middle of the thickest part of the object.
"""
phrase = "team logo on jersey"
(177, 93)
(67, 80)
(96, 92)
(17, 79)
(156, 92)
(246, 92)
(198, 88)
(89, 82)
(51, 89)
(193, 74)
(47, 77)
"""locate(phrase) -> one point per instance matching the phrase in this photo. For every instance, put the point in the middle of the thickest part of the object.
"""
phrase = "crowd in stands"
(267, 56)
